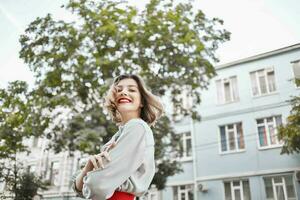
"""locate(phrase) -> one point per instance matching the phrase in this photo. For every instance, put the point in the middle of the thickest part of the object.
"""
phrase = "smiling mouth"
(123, 100)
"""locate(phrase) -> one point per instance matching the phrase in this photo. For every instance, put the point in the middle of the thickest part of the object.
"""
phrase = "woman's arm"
(94, 162)
(126, 158)
(74, 187)
(78, 184)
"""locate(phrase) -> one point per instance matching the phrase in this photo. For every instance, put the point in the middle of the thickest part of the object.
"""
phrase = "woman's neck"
(125, 119)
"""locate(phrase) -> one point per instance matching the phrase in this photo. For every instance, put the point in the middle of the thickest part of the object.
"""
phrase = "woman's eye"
(131, 90)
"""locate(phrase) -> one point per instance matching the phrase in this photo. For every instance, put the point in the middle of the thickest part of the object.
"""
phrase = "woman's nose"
(124, 93)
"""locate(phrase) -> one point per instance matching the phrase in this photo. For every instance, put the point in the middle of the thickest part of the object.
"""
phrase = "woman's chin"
(124, 109)
(128, 110)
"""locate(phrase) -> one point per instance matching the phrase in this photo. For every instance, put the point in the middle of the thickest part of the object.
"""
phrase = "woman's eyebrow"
(121, 86)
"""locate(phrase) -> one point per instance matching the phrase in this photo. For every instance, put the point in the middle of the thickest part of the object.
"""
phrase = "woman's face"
(128, 96)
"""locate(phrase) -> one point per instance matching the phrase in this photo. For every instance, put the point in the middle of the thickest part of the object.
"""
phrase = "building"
(56, 169)
(234, 153)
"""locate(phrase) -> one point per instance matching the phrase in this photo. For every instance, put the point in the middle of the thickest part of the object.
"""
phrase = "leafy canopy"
(170, 45)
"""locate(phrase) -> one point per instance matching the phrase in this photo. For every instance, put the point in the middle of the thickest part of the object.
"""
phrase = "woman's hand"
(96, 161)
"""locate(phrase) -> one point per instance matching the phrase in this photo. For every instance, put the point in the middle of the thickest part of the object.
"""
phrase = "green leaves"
(20, 183)
(290, 132)
(19, 119)
(13, 115)
(27, 186)
(170, 45)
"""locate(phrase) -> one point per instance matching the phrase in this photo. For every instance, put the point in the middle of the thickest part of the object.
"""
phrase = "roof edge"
(259, 56)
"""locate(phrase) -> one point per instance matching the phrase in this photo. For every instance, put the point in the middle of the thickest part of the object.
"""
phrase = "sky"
(256, 26)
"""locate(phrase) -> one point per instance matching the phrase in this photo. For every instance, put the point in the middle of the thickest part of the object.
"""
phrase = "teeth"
(124, 101)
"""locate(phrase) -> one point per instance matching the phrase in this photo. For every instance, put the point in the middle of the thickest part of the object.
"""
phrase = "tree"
(13, 115)
(23, 185)
(28, 186)
(18, 121)
(290, 132)
(170, 45)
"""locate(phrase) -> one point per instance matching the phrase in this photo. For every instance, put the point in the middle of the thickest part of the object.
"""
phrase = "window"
(237, 190)
(280, 188)
(186, 139)
(263, 81)
(296, 70)
(232, 137)
(183, 192)
(2, 186)
(31, 168)
(227, 90)
(267, 131)
(152, 194)
(35, 141)
(186, 97)
(54, 173)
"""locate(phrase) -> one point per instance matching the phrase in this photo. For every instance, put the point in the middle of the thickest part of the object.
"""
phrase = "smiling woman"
(125, 167)
(128, 99)
(141, 103)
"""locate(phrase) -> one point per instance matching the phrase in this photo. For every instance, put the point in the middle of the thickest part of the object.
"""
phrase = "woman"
(125, 167)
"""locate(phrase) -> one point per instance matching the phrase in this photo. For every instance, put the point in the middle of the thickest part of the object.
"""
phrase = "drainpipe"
(194, 158)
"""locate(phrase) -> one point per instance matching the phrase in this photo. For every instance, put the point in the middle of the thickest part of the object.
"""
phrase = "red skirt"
(121, 196)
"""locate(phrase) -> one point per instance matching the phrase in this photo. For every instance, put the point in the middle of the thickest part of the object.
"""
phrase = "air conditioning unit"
(297, 175)
(202, 187)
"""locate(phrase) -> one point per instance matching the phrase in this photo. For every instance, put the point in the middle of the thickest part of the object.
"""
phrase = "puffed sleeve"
(105, 146)
(126, 158)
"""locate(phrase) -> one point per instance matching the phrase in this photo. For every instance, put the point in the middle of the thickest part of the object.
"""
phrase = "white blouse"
(131, 168)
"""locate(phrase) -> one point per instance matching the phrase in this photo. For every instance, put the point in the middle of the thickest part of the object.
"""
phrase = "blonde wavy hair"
(152, 107)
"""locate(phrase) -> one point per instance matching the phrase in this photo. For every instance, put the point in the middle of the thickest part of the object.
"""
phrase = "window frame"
(237, 150)
(2, 186)
(52, 176)
(35, 142)
(294, 63)
(265, 71)
(187, 98)
(32, 168)
(221, 90)
(185, 191)
(233, 188)
(152, 194)
(269, 146)
(283, 183)
(184, 139)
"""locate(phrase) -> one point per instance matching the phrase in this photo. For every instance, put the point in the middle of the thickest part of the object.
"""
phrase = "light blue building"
(234, 153)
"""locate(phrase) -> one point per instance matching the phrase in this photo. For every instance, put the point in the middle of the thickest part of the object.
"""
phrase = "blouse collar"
(121, 127)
